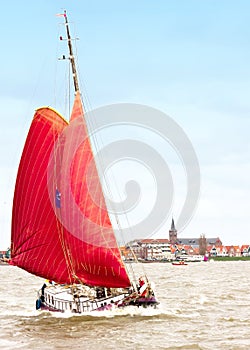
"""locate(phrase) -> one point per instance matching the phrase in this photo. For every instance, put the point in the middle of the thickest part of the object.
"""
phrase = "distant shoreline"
(211, 258)
(229, 258)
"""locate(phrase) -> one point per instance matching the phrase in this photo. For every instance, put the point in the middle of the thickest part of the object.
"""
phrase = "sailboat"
(61, 229)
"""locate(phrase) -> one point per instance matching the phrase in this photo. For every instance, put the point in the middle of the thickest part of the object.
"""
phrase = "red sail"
(60, 226)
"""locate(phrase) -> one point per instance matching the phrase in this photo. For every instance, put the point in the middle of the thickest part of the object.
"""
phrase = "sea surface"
(204, 305)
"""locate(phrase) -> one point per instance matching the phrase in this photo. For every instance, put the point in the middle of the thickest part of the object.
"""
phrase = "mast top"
(71, 54)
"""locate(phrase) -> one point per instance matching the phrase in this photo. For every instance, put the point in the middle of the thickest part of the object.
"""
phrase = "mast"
(71, 55)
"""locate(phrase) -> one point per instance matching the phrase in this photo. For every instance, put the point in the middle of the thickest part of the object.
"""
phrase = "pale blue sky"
(188, 58)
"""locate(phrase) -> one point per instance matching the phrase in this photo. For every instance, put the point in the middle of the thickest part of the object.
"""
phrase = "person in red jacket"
(143, 288)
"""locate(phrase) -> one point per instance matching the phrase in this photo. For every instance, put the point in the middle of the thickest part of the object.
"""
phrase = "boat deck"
(79, 299)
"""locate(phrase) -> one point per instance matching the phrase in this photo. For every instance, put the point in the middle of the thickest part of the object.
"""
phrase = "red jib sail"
(60, 225)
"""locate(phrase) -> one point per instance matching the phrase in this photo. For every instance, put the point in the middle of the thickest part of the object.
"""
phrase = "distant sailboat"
(58, 231)
(179, 263)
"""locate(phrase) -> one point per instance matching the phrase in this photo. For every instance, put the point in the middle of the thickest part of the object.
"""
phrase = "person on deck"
(142, 288)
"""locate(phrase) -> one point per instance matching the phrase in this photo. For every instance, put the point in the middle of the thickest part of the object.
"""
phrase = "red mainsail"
(60, 225)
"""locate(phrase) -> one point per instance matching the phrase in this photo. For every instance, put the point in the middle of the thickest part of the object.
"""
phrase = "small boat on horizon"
(4, 261)
(179, 263)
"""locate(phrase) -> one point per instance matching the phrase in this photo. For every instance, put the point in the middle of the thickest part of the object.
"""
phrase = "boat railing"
(78, 304)
(64, 304)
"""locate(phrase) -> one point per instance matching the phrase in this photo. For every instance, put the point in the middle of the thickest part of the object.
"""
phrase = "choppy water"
(203, 306)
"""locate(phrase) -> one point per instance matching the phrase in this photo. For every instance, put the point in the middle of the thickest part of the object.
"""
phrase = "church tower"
(173, 234)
